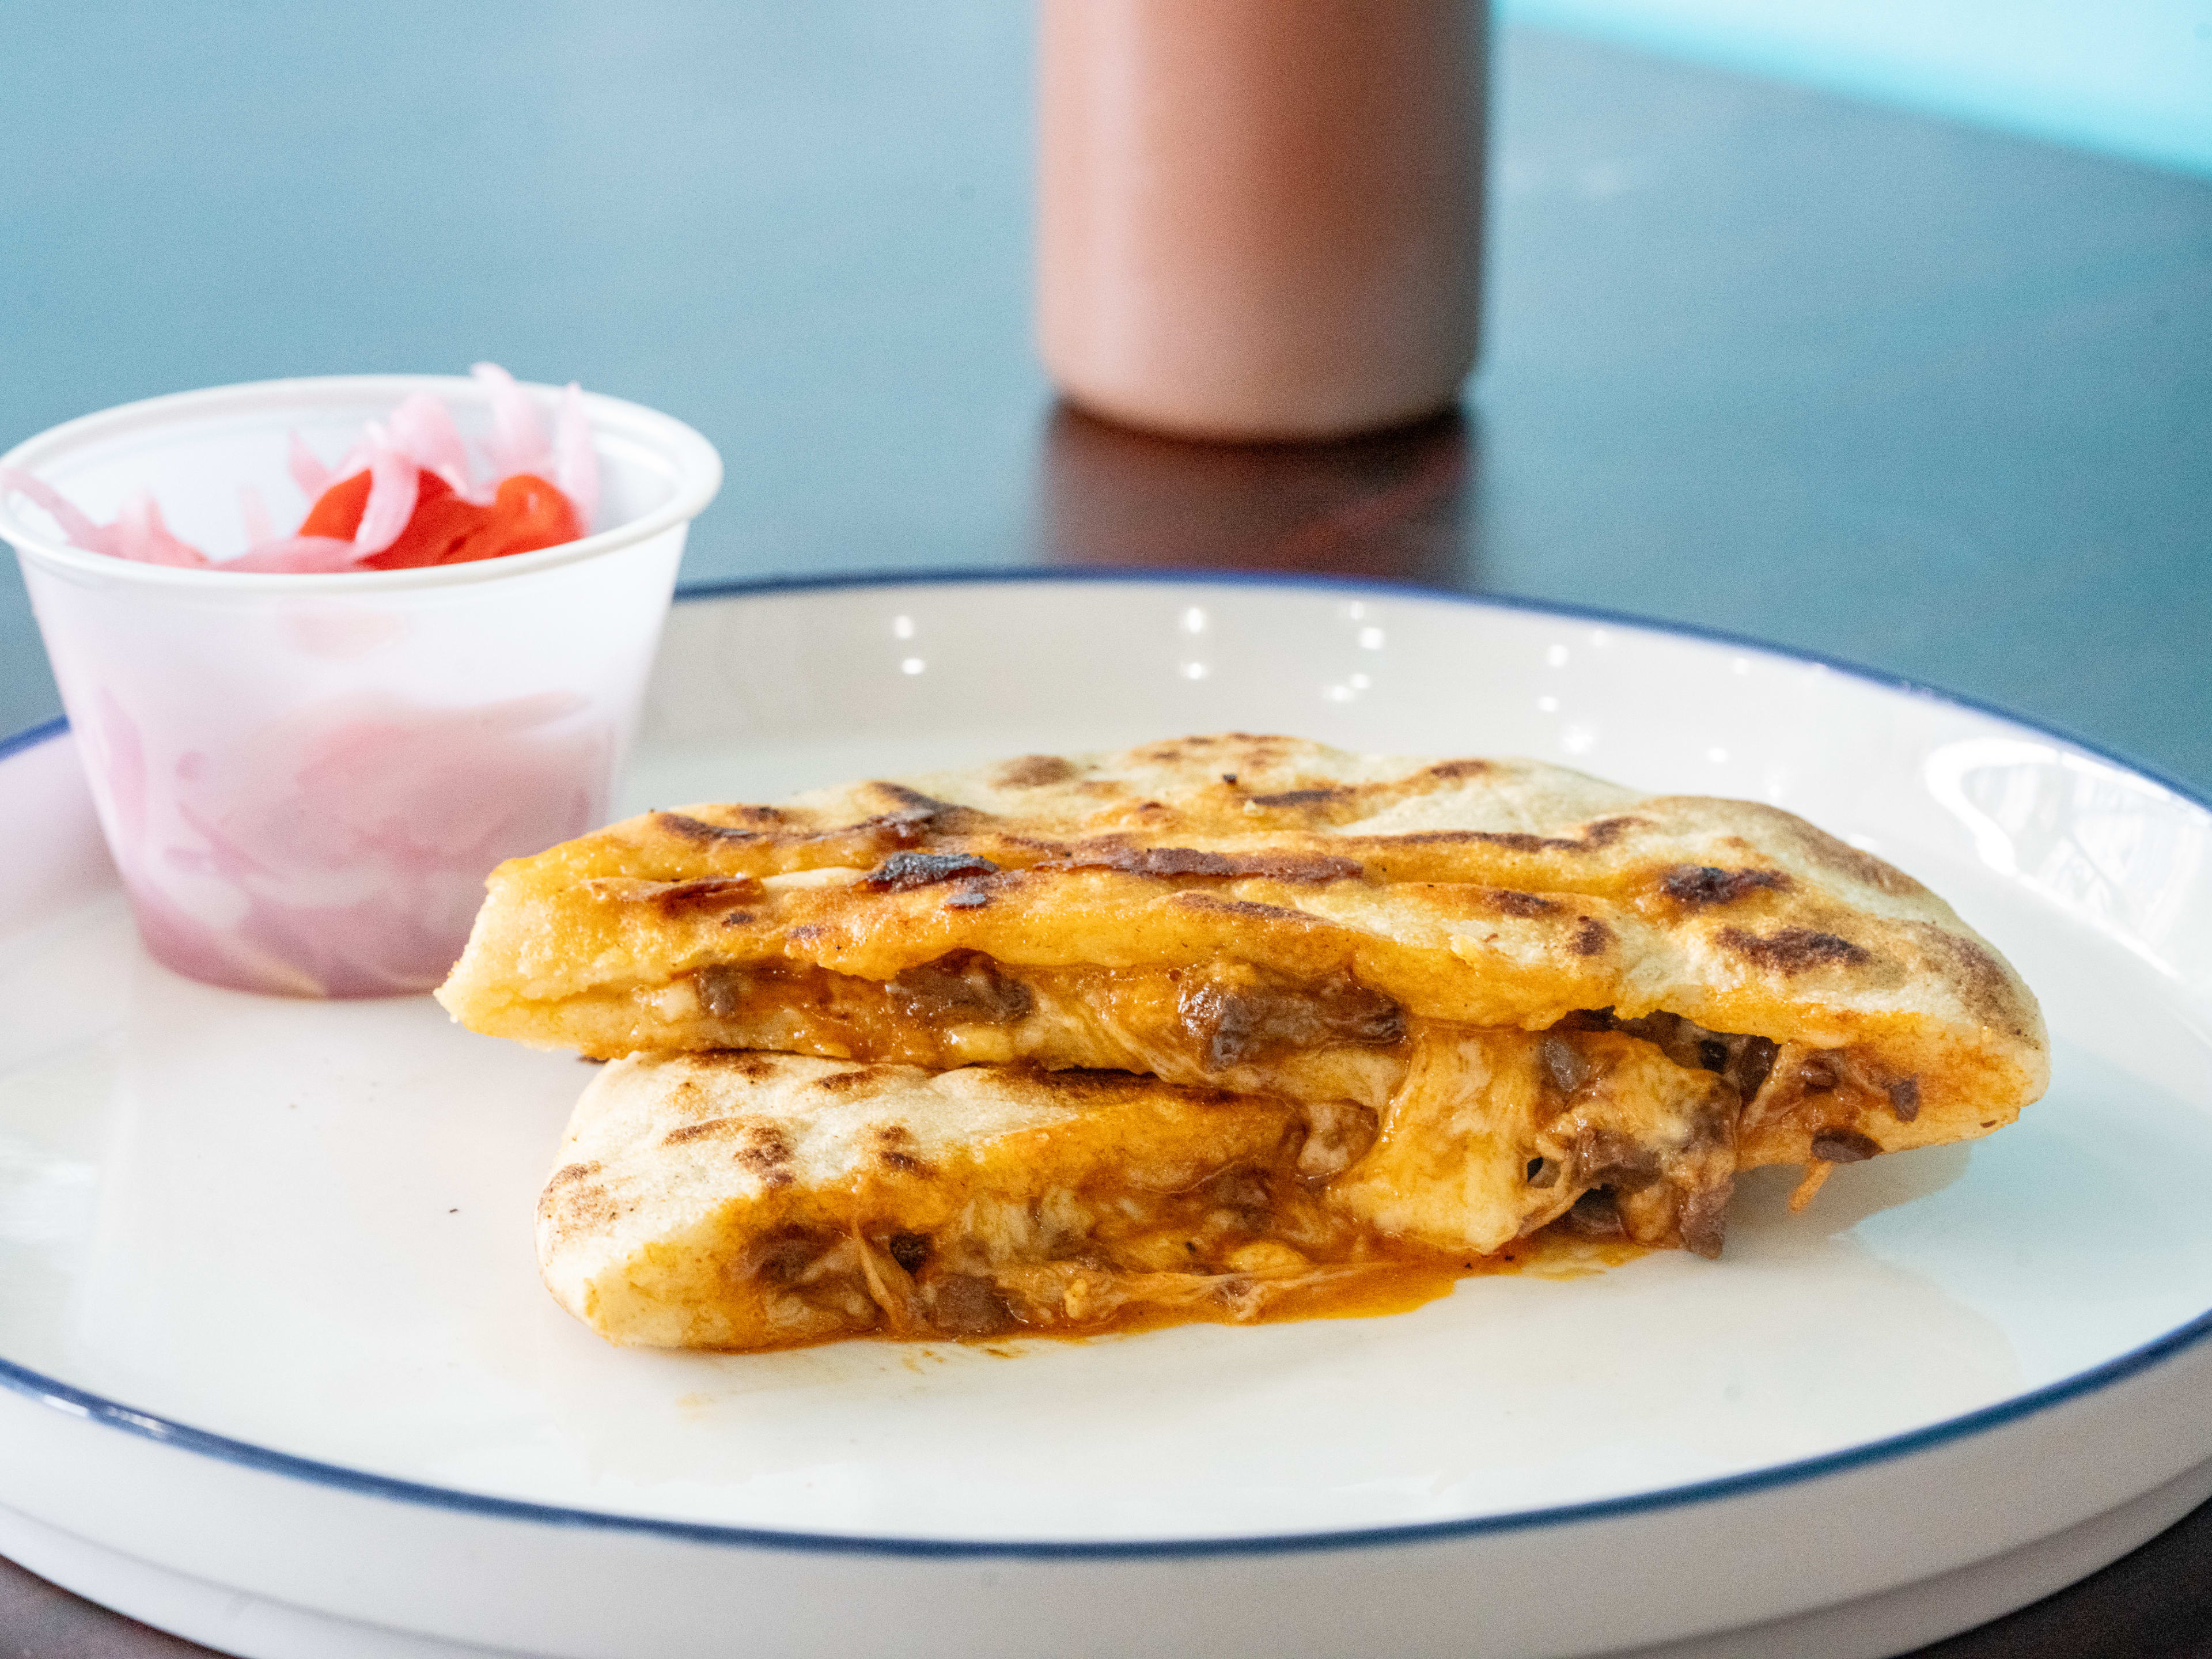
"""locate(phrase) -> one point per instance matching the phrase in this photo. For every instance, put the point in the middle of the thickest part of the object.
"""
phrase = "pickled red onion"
(78, 527)
(394, 483)
(140, 534)
(576, 463)
(517, 443)
(423, 429)
(300, 555)
(308, 471)
(259, 530)
(420, 438)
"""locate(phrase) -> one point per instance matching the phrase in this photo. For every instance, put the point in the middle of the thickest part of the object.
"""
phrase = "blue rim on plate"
(77, 1402)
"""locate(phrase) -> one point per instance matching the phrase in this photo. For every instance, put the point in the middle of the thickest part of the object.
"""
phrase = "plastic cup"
(305, 779)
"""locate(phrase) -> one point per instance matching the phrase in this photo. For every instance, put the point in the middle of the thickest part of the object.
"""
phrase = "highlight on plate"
(1226, 1028)
(408, 494)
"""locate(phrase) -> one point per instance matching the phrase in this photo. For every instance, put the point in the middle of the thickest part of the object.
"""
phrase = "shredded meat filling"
(1619, 1148)
(1212, 1019)
(1678, 1193)
(1232, 1243)
(1745, 1062)
(964, 987)
(1238, 1014)
(1596, 1214)
(968, 1304)
(722, 990)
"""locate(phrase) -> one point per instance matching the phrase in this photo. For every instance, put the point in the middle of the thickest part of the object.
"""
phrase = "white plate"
(280, 1374)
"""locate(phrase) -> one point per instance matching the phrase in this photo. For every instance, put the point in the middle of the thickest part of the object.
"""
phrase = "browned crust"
(1489, 892)
(1034, 771)
(1702, 884)
(1177, 863)
(1794, 949)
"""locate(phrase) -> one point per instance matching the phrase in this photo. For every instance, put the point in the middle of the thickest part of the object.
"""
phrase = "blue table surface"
(1926, 397)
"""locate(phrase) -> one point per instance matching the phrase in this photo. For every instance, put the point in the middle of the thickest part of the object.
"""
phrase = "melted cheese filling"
(1516, 1126)
(1210, 1206)
(1413, 1150)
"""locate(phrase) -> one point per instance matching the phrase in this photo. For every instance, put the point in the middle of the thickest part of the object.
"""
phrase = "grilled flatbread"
(1668, 988)
(738, 1201)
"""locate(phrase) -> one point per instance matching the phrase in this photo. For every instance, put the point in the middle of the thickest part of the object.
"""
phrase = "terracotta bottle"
(1261, 219)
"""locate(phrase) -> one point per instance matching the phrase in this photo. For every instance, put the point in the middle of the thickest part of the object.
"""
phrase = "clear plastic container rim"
(696, 465)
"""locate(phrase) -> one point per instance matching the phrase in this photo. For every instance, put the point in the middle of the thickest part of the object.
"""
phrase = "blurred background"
(1880, 328)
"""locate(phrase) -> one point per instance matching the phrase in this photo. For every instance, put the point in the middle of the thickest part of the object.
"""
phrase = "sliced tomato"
(525, 515)
(441, 522)
(337, 511)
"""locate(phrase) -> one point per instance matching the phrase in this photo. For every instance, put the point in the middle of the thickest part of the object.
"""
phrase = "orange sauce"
(1399, 1284)
(1378, 1284)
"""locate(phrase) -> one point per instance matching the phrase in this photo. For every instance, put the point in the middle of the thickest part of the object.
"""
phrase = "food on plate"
(1515, 994)
(739, 1201)
(406, 495)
